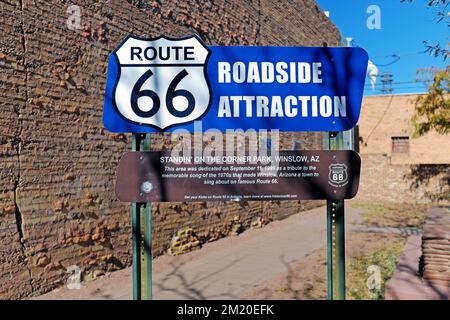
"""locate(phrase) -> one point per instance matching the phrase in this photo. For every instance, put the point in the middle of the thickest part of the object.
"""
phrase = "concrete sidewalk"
(223, 269)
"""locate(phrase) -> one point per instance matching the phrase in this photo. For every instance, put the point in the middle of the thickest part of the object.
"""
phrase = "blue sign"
(164, 84)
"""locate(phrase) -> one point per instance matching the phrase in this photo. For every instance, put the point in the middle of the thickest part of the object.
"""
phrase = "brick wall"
(435, 260)
(57, 205)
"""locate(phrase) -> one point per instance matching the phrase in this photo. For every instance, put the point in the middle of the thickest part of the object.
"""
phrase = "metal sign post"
(335, 233)
(231, 87)
(142, 235)
(320, 91)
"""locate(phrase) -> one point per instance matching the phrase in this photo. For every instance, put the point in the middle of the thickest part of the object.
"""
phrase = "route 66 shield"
(159, 82)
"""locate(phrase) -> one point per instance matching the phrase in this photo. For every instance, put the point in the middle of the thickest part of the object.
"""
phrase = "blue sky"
(404, 27)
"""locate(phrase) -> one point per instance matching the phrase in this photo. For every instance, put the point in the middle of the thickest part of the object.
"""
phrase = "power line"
(387, 85)
(400, 88)
(379, 120)
(396, 56)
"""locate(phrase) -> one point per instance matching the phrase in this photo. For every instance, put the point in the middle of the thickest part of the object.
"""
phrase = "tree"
(432, 111)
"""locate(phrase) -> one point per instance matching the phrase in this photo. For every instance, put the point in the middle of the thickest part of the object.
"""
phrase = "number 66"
(170, 96)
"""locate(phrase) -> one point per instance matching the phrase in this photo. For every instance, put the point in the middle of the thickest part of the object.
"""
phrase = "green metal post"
(142, 235)
(335, 233)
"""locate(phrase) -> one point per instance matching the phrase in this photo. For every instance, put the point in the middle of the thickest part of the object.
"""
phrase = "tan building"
(396, 166)
(385, 128)
(58, 164)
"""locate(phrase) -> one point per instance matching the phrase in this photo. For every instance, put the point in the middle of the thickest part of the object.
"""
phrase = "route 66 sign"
(159, 82)
(165, 84)
(337, 175)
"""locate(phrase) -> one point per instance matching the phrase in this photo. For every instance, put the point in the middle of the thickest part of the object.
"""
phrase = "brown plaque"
(290, 175)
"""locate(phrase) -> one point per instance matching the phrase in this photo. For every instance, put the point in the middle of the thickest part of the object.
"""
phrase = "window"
(400, 145)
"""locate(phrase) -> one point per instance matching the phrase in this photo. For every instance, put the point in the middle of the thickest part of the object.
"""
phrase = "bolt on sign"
(288, 175)
(164, 84)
